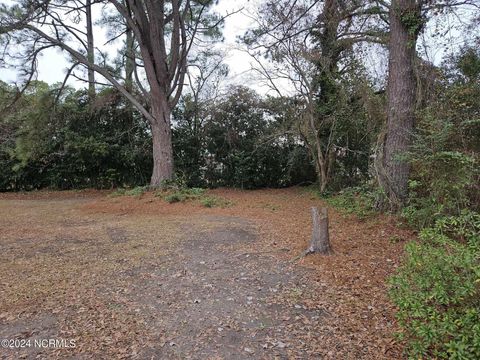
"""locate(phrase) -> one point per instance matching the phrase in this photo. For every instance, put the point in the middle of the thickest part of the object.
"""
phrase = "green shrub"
(177, 183)
(355, 200)
(437, 290)
(444, 176)
(136, 191)
(465, 227)
(181, 194)
(196, 194)
(194, 191)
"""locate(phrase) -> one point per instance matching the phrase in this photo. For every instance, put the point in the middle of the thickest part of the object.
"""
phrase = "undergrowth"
(136, 191)
(359, 201)
(175, 192)
(437, 290)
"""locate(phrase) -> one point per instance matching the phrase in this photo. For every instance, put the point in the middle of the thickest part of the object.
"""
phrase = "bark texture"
(162, 144)
(393, 173)
(320, 242)
(165, 67)
(129, 59)
(90, 51)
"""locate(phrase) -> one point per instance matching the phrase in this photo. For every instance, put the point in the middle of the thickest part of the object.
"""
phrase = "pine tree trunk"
(129, 59)
(162, 144)
(90, 51)
(393, 173)
(129, 68)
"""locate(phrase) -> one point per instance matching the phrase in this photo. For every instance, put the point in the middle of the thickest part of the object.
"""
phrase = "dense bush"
(237, 143)
(444, 174)
(359, 200)
(437, 291)
(52, 140)
(68, 144)
(64, 142)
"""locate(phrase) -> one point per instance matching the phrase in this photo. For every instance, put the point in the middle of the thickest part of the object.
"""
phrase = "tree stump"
(320, 242)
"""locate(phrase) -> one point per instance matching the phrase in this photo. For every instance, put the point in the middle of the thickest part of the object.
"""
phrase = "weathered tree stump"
(320, 242)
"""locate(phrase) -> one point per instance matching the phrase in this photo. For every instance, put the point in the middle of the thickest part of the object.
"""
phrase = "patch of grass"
(193, 194)
(215, 201)
(395, 239)
(313, 191)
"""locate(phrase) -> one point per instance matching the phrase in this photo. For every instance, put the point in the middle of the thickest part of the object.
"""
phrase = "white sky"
(53, 63)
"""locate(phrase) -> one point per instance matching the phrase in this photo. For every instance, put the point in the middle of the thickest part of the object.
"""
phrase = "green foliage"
(194, 194)
(413, 20)
(118, 192)
(69, 145)
(444, 176)
(238, 142)
(215, 201)
(464, 227)
(181, 194)
(467, 63)
(136, 191)
(437, 291)
(355, 200)
(444, 157)
(175, 197)
(177, 183)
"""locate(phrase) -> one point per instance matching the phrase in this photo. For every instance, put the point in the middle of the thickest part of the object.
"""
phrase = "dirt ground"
(137, 277)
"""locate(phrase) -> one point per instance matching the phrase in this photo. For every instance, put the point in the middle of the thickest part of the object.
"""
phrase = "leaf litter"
(140, 278)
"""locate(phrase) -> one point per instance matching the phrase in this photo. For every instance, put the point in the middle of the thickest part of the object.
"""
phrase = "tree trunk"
(90, 52)
(129, 59)
(323, 175)
(162, 144)
(326, 85)
(405, 23)
(317, 153)
(320, 242)
(129, 68)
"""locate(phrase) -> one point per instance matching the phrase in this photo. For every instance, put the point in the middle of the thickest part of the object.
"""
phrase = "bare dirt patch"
(136, 277)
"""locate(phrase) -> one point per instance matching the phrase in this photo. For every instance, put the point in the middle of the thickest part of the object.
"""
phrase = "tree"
(204, 79)
(164, 32)
(75, 146)
(405, 25)
(232, 140)
(310, 44)
(90, 50)
(407, 18)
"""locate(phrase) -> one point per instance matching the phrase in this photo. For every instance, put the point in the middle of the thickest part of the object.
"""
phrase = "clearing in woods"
(136, 277)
